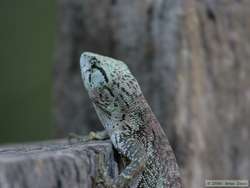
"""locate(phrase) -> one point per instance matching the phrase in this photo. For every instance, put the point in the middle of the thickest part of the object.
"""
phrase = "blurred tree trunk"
(191, 60)
(213, 98)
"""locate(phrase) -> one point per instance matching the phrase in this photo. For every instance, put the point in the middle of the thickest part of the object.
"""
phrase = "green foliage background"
(27, 32)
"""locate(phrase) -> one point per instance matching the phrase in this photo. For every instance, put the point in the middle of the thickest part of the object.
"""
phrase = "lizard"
(130, 124)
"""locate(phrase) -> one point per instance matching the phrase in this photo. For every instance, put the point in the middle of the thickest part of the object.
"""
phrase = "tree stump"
(55, 164)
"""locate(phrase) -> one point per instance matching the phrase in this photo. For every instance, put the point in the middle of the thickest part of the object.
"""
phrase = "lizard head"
(99, 71)
(107, 80)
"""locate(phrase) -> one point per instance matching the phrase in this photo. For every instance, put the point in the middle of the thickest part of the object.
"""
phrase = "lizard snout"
(84, 62)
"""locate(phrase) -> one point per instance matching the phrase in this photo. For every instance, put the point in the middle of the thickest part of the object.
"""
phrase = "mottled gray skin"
(130, 124)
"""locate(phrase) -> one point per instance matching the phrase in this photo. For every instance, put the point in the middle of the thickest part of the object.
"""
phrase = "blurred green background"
(27, 34)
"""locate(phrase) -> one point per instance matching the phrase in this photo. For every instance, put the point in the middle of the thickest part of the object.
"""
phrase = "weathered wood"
(53, 164)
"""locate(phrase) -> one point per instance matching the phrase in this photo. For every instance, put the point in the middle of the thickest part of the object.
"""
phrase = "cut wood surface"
(55, 164)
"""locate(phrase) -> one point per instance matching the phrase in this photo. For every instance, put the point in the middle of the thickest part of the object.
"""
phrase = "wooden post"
(54, 164)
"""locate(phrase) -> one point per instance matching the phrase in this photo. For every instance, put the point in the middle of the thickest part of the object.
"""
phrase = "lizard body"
(130, 124)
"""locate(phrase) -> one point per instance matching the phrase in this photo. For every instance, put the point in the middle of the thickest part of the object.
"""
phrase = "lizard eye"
(93, 61)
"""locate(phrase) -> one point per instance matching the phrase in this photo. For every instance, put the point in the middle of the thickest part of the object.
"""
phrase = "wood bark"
(54, 164)
(191, 60)
(213, 95)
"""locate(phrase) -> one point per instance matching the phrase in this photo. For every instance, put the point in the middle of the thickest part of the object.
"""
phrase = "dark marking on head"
(94, 66)
(93, 60)
(89, 78)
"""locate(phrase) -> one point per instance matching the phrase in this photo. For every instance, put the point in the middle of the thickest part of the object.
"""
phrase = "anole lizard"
(130, 124)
